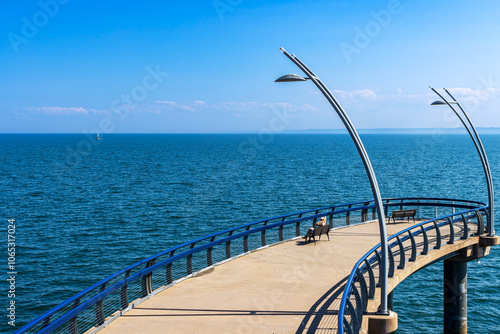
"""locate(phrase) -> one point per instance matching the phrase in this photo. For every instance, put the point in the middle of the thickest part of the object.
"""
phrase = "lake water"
(86, 208)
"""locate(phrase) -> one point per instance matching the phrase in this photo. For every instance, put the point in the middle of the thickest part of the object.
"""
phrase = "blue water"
(86, 208)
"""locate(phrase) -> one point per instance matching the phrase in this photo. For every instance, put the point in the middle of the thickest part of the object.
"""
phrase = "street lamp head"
(290, 78)
(440, 103)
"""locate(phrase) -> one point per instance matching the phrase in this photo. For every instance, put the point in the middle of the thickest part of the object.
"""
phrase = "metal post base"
(382, 324)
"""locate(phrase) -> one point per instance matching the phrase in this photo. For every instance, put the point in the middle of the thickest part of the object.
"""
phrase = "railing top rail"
(282, 221)
(434, 199)
(350, 280)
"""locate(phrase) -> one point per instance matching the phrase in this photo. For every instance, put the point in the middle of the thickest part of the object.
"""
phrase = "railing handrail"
(331, 211)
(434, 199)
(353, 274)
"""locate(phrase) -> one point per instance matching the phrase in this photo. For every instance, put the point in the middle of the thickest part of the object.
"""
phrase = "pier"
(263, 278)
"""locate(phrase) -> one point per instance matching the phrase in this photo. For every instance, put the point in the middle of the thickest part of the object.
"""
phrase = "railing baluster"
(364, 212)
(99, 308)
(465, 236)
(210, 260)
(147, 280)
(452, 232)
(402, 255)
(189, 261)
(391, 262)
(263, 236)
(354, 318)
(348, 216)
(401, 206)
(438, 236)
(435, 210)
(168, 268)
(124, 292)
(315, 220)
(245, 241)
(364, 289)
(347, 325)
(72, 324)
(377, 255)
(46, 321)
(281, 236)
(371, 276)
(425, 250)
(452, 208)
(480, 223)
(413, 256)
(228, 246)
(359, 303)
(331, 217)
(297, 227)
(487, 215)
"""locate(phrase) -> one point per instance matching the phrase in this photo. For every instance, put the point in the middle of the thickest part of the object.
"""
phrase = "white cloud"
(159, 107)
(490, 93)
(64, 110)
(239, 107)
(363, 93)
(168, 103)
(171, 105)
(371, 95)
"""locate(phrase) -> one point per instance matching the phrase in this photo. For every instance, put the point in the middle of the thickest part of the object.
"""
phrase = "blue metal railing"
(361, 283)
(117, 293)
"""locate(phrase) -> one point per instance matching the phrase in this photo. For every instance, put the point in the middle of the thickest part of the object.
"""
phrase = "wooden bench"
(318, 232)
(403, 214)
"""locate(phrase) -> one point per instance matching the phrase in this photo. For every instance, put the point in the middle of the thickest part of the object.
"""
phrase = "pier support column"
(390, 301)
(455, 297)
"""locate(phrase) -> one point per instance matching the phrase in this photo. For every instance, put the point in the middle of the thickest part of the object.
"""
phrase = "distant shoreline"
(426, 131)
(387, 131)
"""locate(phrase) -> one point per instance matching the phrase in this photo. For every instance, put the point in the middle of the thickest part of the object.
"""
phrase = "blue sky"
(209, 66)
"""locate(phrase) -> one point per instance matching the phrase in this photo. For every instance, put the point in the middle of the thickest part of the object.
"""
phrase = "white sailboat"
(98, 138)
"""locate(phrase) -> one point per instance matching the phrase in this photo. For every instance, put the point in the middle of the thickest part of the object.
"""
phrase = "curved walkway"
(288, 288)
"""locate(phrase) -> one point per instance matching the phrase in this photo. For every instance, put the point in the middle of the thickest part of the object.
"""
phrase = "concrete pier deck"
(288, 288)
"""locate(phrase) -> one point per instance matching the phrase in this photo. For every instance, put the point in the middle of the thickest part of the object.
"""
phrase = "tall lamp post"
(467, 123)
(366, 162)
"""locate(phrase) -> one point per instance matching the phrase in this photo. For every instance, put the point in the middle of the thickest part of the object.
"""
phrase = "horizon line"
(456, 130)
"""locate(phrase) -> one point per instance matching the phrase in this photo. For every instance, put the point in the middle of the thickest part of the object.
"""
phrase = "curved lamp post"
(366, 162)
(467, 123)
